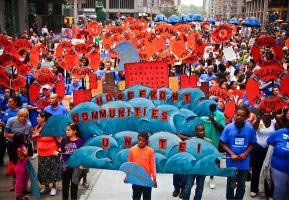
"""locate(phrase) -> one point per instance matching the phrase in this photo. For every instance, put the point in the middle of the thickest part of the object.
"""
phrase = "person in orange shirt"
(144, 156)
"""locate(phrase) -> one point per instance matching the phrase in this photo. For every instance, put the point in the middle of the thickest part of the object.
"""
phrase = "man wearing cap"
(55, 108)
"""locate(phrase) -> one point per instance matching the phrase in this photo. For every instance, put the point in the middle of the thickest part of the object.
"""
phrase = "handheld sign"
(229, 54)
(127, 53)
(136, 175)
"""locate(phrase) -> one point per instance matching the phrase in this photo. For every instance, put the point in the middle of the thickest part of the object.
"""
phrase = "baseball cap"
(46, 86)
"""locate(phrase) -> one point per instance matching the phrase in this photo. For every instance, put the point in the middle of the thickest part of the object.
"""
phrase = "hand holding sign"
(136, 175)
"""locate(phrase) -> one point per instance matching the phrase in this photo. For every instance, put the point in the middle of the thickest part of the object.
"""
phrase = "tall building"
(17, 16)
(224, 8)
(268, 10)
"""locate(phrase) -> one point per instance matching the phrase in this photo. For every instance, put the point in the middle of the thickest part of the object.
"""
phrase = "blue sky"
(193, 2)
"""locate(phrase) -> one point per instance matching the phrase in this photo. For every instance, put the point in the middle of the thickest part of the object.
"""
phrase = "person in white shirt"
(44, 30)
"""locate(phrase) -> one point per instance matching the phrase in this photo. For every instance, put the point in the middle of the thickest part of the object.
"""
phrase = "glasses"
(24, 116)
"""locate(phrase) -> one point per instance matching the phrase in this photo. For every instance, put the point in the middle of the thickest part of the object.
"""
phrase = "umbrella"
(123, 17)
(189, 18)
(212, 20)
(198, 18)
(233, 21)
(252, 22)
(174, 19)
(160, 18)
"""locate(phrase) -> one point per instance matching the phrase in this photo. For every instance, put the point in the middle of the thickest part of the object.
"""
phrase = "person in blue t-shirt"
(3, 105)
(208, 77)
(75, 85)
(55, 108)
(238, 139)
(280, 162)
(14, 104)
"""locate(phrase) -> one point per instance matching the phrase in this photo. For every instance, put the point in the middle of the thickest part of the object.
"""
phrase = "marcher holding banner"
(237, 139)
(143, 155)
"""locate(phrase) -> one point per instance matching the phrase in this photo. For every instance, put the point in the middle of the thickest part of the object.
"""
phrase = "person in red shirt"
(144, 156)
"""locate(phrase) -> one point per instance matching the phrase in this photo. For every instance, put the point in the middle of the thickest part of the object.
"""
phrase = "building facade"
(224, 9)
(16, 16)
(268, 10)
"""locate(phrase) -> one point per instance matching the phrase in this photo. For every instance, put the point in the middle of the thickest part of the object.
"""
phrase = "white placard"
(229, 54)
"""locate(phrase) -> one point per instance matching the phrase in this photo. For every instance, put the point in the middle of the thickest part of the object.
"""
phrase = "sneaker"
(85, 184)
(253, 194)
(212, 183)
(53, 192)
(176, 193)
(44, 190)
(181, 195)
(35, 155)
(26, 192)
(20, 197)
(12, 188)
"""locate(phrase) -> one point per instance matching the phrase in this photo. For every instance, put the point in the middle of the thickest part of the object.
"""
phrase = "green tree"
(169, 11)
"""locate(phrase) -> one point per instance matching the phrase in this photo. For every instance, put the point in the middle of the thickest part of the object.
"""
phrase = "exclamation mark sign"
(199, 148)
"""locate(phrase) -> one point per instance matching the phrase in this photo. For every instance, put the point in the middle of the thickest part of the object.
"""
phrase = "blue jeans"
(190, 179)
(240, 180)
(281, 184)
(179, 181)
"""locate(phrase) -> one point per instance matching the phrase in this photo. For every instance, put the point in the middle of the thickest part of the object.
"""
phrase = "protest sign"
(230, 54)
(127, 54)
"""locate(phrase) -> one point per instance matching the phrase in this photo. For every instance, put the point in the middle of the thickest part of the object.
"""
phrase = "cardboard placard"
(80, 96)
(174, 83)
(93, 83)
(99, 89)
(152, 74)
(188, 81)
(229, 54)
(121, 85)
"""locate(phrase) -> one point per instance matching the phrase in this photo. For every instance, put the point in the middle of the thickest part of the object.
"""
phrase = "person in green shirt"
(214, 125)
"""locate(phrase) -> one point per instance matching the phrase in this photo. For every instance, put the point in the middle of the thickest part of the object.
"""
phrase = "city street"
(109, 185)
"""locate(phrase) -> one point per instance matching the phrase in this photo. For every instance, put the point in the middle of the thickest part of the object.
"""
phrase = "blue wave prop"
(171, 141)
(56, 126)
(34, 180)
(195, 94)
(136, 91)
(180, 163)
(90, 127)
(136, 175)
(203, 107)
(108, 144)
(126, 139)
(160, 92)
(121, 158)
(86, 156)
(112, 125)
